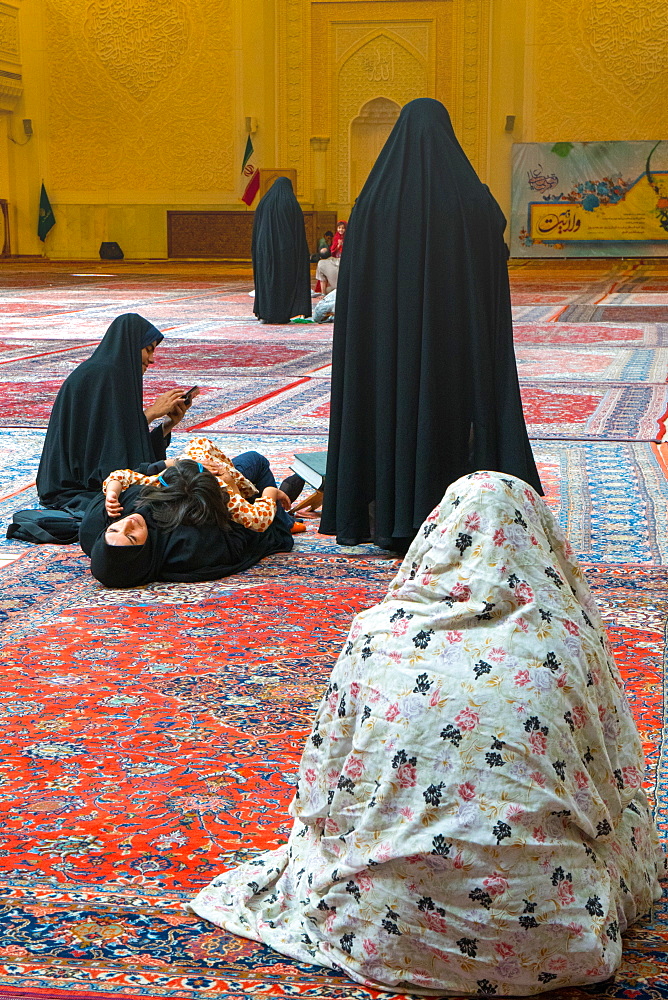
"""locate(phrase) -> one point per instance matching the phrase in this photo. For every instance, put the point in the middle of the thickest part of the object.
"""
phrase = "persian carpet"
(619, 411)
(150, 739)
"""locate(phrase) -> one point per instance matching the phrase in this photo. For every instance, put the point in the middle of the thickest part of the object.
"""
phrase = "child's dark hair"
(190, 497)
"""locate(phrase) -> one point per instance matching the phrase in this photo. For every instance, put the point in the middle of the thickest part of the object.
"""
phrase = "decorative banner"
(590, 199)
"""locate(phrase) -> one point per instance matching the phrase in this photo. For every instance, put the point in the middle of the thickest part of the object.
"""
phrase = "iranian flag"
(250, 171)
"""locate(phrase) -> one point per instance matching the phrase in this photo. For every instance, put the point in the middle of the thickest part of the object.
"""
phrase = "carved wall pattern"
(294, 23)
(472, 39)
(609, 64)
(141, 95)
(9, 33)
(381, 67)
(136, 47)
(439, 50)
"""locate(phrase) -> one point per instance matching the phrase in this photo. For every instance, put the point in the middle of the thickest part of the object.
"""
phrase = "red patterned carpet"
(150, 737)
(150, 740)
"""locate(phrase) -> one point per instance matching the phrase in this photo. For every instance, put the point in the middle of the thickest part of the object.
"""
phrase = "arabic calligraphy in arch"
(559, 222)
(380, 67)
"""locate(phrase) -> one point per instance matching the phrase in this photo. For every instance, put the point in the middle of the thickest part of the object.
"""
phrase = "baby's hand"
(112, 503)
(218, 468)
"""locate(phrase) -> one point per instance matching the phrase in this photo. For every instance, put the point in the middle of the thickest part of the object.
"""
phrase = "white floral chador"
(469, 817)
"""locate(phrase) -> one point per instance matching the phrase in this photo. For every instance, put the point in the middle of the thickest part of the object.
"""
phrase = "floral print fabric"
(469, 817)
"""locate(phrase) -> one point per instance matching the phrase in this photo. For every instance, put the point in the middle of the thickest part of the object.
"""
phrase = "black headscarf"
(280, 256)
(424, 380)
(185, 554)
(97, 423)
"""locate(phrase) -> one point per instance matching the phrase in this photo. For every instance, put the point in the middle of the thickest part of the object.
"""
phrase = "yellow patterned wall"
(139, 94)
(338, 55)
(598, 70)
(138, 106)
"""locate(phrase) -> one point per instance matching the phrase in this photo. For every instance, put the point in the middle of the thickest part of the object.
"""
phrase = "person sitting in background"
(323, 312)
(324, 243)
(327, 273)
(469, 816)
(99, 422)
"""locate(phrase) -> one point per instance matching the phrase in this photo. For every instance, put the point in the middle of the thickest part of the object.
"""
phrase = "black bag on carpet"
(56, 527)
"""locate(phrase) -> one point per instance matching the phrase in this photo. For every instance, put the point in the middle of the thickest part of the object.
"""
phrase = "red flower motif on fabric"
(538, 778)
(538, 742)
(571, 627)
(466, 791)
(407, 776)
(364, 881)
(460, 592)
(472, 522)
(467, 719)
(354, 767)
(632, 777)
(581, 779)
(565, 893)
(503, 949)
(580, 716)
(496, 884)
(400, 627)
(436, 921)
(392, 712)
(523, 593)
(499, 536)
(522, 677)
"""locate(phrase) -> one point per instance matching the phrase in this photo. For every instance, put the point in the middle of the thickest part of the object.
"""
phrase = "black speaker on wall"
(111, 251)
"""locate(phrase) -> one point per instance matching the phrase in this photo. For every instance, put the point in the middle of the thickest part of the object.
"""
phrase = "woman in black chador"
(99, 423)
(424, 381)
(280, 256)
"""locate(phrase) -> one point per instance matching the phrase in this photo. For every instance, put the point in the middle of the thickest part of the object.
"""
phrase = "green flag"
(46, 217)
(247, 153)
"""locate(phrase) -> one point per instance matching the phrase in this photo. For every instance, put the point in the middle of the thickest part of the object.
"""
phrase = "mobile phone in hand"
(190, 394)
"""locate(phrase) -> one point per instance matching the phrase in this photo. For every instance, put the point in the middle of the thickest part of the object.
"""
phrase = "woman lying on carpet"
(98, 421)
(239, 490)
(469, 816)
(188, 528)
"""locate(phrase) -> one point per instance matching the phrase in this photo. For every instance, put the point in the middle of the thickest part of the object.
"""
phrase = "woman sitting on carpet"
(189, 528)
(469, 816)
(98, 421)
